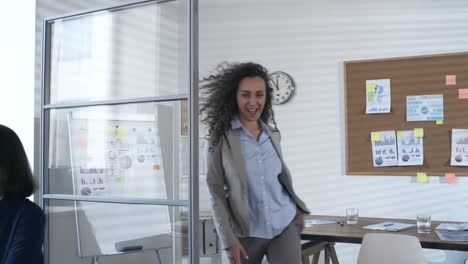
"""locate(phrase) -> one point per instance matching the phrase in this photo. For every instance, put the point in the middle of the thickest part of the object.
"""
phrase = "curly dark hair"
(221, 105)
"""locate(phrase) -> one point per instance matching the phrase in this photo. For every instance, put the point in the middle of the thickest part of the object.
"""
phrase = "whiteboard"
(116, 155)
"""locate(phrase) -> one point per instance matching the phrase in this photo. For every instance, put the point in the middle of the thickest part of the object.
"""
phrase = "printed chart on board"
(117, 158)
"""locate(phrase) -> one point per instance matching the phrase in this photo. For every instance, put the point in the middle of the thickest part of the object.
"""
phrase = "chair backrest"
(390, 249)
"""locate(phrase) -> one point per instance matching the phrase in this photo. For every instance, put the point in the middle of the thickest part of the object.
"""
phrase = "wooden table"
(355, 233)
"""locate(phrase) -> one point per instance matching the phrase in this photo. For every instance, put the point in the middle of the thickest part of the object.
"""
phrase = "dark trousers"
(282, 249)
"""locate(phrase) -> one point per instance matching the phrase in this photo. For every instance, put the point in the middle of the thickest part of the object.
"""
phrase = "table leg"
(327, 255)
(332, 252)
(316, 257)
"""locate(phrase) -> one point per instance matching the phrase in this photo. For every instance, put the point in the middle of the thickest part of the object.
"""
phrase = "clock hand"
(275, 85)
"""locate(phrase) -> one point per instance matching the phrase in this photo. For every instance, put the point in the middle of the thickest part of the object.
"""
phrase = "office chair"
(390, 249)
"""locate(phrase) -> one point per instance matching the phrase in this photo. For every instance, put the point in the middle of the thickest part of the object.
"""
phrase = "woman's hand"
(300, 223)
(235, 252)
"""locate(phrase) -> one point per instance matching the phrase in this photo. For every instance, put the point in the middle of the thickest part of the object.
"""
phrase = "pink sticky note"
(81, 143)
(450, 178)
(463, 93)
(450, 79)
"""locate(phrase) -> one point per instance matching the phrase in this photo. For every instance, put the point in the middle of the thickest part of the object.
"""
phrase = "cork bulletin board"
(418, 75)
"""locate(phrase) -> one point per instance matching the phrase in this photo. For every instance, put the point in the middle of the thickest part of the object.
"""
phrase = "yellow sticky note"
(111, 131)
(450, 178)
(375, 136)
(450, 79)
(421, 177)
(400, 133)
(370, 87)
(83, 126)
(439, 122)
(118, 179)
(418, 132)
(81, 143)
(122, 131)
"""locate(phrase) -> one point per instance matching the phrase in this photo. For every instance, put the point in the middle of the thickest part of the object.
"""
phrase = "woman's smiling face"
(251, 97)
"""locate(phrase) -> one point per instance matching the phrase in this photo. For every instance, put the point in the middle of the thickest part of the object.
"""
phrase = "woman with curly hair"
(254, 206)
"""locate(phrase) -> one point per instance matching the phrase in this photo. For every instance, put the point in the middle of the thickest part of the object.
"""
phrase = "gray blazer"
(227, 184)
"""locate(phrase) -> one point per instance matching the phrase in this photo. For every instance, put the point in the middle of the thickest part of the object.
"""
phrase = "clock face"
(282, 85)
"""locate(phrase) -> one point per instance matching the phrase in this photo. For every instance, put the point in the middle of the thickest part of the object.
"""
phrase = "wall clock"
(283, 86)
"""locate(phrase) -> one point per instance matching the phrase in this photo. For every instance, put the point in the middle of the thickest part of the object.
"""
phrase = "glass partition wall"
(119, 99)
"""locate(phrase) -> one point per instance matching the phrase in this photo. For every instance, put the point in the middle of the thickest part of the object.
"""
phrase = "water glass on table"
(423, 223)
(352, 215)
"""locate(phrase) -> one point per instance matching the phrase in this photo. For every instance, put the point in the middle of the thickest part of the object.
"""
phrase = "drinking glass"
(352, 215)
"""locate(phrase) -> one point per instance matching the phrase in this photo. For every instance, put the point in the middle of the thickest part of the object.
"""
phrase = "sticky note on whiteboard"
(375, 136)
(450, 178)
(122, 131)
(421, 177)
(450, 79)
(370, 87)
(418, 132)
(463, 93)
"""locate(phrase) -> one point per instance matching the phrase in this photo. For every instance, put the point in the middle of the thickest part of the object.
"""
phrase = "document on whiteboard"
(384, 150)
(425, 107)
(459, 147)
(410, 149)
(378, 96)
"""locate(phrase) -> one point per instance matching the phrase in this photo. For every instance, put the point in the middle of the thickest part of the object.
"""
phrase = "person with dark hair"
(254, 206)
(22, 222)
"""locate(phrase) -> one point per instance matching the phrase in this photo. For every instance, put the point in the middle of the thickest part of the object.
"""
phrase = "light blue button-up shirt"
(271, 208)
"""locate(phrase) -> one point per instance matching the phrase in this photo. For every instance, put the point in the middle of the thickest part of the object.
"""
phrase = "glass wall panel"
(132, 150)
(116, 233)
(134, 52)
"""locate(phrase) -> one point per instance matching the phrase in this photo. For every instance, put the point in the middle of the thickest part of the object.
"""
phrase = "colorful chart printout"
(459, 147)
(410, 149)
(92, 181)
(378, 99)
(117, 155)
(425, 107)
(117, 158)
(384, 151)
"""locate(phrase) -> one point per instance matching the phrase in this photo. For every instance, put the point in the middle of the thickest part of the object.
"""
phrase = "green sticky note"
(370, 87)
(122, 131)
(418, 132)
(439, 122)
(370, 97)
(421, 177)
(110, 131)
(83, 126)
(118, 179)
(375, 136)
(400, 133)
